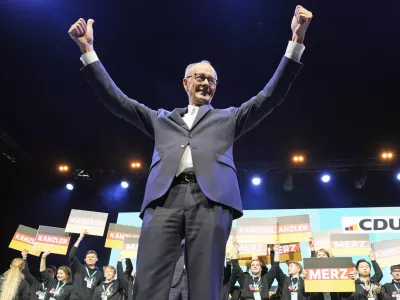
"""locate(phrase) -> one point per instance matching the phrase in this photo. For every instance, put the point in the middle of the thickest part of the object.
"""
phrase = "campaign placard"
(91, 221)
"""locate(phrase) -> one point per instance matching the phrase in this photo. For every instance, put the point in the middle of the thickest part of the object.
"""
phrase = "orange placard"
(24, 239)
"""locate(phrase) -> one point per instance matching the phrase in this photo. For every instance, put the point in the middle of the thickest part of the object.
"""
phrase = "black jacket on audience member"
(389, 291)
(246, 280)
(375, 279)
(285, 281)
(115, 287)
(79, 273)
(23, 292)
(231, 275)
(65, 291)
(36, 286)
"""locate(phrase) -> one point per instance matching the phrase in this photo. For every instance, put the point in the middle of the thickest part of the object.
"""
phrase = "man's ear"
(185, 84)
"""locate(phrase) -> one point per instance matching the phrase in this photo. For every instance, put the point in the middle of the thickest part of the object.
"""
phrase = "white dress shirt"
(294, 51)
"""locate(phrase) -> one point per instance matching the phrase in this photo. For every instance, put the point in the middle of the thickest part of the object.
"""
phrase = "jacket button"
(190, 135)
(182, 146)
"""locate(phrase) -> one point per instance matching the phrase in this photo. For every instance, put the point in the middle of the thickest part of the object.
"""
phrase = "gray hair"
(199, 62)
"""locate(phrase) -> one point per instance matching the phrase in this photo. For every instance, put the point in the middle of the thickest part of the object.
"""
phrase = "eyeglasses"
(396, 271)
(200, 78)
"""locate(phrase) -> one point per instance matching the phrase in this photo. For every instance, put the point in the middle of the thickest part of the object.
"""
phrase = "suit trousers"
(180, 291)
(183, 212)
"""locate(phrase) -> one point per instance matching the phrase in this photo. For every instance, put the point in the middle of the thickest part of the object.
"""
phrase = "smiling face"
(200, 83)
(109, 273)
(61, 276)
(255, 267)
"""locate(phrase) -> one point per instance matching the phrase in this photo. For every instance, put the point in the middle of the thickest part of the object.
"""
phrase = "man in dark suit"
(179, 290)
(192, 191)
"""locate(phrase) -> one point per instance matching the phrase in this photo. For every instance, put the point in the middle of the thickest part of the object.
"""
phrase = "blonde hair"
(110, 267)
(323, 251)
(12, 279)
(297, 264)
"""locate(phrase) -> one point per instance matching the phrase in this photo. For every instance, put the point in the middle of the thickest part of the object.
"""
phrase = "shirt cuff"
(294, 51)
(89, 57)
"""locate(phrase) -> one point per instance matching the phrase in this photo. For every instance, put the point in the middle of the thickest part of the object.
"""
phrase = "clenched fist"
(82, 33)
(301, 19)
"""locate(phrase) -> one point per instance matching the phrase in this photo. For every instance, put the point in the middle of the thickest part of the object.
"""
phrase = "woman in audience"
(13, 286)
(324, 254)
(59, 288)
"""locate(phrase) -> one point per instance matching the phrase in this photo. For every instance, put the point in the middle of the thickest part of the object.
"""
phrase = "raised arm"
(73, 259)
(46, 279)
(27, 274)
(250, 113)
(114, 99)
(129, 268)
(121, 277)
(279, 275)
(378, 275)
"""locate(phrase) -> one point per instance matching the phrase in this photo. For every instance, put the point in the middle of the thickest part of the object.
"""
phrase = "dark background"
(343, 105)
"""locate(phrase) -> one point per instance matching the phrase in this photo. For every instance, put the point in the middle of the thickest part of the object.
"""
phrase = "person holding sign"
(255, 284)
(391, 291)
(37, 288)
(368, 286)
(290, 287)
(13, 286)
(86, 276)
(234, 275)
(59, 288)
(111, 288)
(192, 188)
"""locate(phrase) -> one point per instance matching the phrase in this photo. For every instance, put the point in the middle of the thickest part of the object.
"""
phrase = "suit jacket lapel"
(203, 110)
(176, 116)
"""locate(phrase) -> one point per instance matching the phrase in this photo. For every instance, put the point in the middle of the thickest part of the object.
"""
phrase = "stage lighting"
(124, 184)
(398, 176)
(63, 168)
(256, 180)
(387, 155)
(69, 186)
(136, 165)
(298, 159)
(325, 178)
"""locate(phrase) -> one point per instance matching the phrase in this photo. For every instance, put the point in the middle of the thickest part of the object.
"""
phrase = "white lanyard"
(43, 287)
(107, 290)
(395, 286)
(371, 288)
(90, 276)
(58, 289)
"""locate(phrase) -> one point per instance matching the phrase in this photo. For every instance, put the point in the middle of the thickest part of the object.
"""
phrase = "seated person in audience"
(59, 288)
(37, 287)
(86, 277)
(293, 283)
(111, 288)
(391, 290)
(232, 273)
(255, 284)
(367, 286)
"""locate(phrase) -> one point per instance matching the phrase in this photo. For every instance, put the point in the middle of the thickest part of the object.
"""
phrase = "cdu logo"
(371, 224)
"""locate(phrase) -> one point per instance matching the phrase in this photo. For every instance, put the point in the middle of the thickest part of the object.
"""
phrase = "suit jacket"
(180, 265)
(211, 136)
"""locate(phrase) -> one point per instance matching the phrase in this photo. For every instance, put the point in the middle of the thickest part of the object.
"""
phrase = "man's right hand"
(82, 33)
(82, 235)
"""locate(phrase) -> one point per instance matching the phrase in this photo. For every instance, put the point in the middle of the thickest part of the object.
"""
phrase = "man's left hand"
(301, 19)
